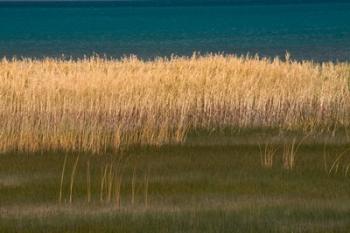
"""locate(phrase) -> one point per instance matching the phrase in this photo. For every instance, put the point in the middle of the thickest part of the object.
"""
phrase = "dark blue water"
(318, 31)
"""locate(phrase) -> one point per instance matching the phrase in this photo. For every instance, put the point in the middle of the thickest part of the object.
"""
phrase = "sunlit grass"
(97, 104)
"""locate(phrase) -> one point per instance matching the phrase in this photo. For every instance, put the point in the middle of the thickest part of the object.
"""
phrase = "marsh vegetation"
(99, 105)
(201, 144)
(176, 189)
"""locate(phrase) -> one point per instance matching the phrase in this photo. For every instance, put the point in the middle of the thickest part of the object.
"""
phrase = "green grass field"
(202, 188)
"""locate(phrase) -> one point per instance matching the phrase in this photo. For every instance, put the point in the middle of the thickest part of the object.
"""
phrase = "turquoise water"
(308, 31)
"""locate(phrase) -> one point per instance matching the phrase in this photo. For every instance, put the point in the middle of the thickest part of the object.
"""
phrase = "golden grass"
(98, 104)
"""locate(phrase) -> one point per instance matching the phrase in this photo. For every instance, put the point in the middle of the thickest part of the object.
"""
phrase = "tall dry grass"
(98, 104)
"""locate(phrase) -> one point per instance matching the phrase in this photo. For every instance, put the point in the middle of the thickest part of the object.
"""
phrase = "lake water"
(318, 31)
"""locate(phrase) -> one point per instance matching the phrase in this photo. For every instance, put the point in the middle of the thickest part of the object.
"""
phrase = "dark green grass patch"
(189, 189)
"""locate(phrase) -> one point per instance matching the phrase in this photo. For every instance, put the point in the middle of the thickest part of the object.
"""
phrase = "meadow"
(211, 143)
(176, 189)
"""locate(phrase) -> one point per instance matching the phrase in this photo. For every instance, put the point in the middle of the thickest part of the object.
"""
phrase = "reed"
(97, 105)
(62, 178)
(267, 155)
(337, 163)
(72, 179)
(290, 152)
(289, 156)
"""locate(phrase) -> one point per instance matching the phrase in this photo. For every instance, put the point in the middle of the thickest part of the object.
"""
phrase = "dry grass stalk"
(146, 188)
(72, 178)
(118, 184)
(337, 164)
(346, 170)
(289, 154)
(133, 186)
(62, 178)
(103, 181)
(119, 171)
(267, 155)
